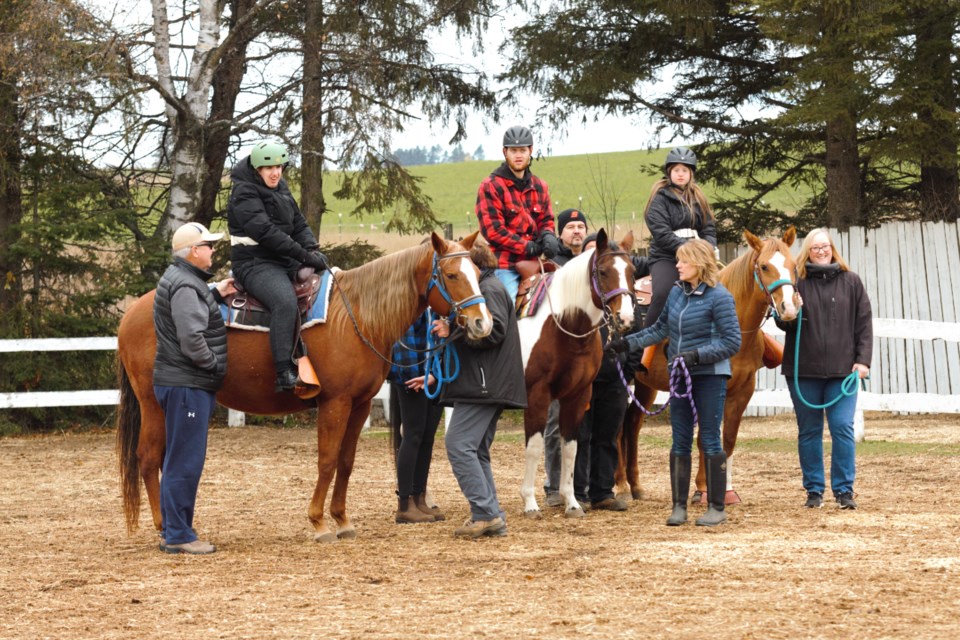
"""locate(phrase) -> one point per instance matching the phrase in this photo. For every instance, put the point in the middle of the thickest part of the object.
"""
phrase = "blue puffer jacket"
(702, 319)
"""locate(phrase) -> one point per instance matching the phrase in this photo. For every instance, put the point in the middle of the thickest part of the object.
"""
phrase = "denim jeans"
(510, 279)
(810, 434)
(709, 393)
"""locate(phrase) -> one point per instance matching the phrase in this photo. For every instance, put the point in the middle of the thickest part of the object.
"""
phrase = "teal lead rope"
(847, 388)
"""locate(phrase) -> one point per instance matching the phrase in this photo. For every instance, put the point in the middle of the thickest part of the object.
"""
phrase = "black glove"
(316, 260)
(617, 346)
(551, 246)
(690, 358)
(533, 249)
(641, 267)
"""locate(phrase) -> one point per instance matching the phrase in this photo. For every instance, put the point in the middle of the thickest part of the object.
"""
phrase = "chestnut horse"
(562, 353)
(763, 278)
(348, 353)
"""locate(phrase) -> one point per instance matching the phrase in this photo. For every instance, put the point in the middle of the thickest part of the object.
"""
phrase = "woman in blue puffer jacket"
(700, 318)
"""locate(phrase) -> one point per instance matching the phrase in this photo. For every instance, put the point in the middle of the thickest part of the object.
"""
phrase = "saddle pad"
(534, 297)
(317, 314)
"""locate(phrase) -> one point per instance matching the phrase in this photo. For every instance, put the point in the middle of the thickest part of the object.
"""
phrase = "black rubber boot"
(716, 491)
(286, 380)
(680, 487)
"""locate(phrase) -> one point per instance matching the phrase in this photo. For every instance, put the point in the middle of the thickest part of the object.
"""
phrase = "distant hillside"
(623, 178)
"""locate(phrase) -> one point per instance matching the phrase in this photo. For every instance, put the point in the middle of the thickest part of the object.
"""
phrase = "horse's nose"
(482, 327)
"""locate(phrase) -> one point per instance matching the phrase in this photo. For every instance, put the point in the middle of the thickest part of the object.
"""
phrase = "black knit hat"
(568, 215)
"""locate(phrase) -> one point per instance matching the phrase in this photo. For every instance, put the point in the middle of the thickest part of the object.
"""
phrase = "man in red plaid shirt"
(513, 208)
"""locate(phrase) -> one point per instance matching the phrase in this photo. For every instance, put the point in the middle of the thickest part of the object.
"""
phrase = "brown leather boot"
(408, 513)
(433, 511)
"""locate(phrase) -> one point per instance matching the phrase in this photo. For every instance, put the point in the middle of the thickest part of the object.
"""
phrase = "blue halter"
(436, 280)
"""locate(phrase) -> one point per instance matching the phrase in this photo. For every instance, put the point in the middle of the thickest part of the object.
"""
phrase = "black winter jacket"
(837, 324)
(196, 356)
(271, 218)
(491, 369)
(665, 215)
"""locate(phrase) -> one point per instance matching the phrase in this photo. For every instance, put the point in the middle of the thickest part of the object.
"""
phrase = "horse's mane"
(737, 276)
(570, 286)
(383, 294)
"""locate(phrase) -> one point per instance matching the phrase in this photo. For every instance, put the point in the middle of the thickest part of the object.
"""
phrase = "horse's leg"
(733, 411)
(628, 478)
(348, 453)
(573, 406)
(534, 423)
(331, 424)
(150, 450)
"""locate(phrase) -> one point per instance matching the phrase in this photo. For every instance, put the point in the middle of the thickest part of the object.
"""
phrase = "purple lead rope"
(675, 374)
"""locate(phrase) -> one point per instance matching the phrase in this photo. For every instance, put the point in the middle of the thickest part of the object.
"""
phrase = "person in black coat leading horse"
(491, 379)
(270, 242)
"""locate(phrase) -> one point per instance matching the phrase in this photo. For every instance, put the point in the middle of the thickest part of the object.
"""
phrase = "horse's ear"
(601, 241)
(755, 243)
(439, 244)
(626, 243)
(789, 235)
(469, 240)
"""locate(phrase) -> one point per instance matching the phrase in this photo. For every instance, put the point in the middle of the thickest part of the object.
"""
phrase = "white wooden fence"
(912, 274)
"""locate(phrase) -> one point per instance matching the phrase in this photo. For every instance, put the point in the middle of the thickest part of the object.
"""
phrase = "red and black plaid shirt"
(512, 212)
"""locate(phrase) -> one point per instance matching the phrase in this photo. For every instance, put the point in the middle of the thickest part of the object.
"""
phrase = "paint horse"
(562, 353)
(760, 280)
(370, 309)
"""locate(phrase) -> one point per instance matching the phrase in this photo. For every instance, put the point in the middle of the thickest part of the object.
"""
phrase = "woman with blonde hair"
(700, 318)
(835, 332)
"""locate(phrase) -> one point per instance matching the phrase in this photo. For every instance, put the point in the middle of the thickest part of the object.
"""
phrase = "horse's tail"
(128, 434)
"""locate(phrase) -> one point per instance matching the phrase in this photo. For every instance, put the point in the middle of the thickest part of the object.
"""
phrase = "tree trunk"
(312, 202)
(11, 205)
(939, 188)
(226, 87)
(844, 200)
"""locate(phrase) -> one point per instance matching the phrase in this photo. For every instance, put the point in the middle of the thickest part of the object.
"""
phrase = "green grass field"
(611, 188)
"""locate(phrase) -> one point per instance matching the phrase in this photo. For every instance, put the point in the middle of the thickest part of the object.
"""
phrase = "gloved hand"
(551, 246)
(316, 260)
(533, 249)
(690, 358)
(617, 346)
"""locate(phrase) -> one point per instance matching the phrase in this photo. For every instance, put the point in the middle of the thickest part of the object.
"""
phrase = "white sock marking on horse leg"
(532, 456)
(568, 460)
(730, 472)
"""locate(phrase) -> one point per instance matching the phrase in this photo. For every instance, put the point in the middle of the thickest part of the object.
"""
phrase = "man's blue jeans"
(510, 279)
(810, 435)
(709, 394)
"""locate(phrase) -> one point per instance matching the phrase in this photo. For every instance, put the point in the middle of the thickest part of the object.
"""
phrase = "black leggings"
(664, 274)
(271, 285)
(420, 417)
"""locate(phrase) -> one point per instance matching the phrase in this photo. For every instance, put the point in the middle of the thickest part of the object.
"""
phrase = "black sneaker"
(845, 500)
(814, 500)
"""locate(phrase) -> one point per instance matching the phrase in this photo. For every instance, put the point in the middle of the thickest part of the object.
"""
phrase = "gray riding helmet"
(518, 136)
(681, 155)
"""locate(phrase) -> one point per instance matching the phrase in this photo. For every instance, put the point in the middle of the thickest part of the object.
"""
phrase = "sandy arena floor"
(68, 569)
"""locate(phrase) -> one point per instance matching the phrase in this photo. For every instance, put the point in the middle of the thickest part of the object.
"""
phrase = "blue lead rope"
(847, 388)
(443, 367)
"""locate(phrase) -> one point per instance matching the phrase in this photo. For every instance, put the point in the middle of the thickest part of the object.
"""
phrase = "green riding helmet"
(268, 153)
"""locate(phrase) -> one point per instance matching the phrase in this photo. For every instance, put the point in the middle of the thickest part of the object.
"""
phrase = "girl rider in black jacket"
(270, 242)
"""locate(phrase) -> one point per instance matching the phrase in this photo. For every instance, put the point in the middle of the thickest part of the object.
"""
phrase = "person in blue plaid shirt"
(420, 417)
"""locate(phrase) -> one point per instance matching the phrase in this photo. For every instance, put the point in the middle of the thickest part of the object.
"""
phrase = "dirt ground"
(68, 569)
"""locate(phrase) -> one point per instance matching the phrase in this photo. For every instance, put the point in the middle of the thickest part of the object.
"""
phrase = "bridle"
(437, 279)
(768, 291)
(609, 317)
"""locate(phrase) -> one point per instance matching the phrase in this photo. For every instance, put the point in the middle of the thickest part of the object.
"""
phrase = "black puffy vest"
(172, 368)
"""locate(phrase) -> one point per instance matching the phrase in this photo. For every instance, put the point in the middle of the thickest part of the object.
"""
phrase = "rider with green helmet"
(270, 242)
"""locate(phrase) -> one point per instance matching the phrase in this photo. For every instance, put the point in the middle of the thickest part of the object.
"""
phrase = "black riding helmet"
(681, 155)
(518, 136)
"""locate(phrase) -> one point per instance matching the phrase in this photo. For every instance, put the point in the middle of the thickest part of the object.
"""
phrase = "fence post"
(236, 418)
(448, 231)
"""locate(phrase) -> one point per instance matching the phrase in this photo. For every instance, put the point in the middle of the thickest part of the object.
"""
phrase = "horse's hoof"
(534, 514)
(576, 512)
(699, 497)
(637, 493)
(347, 533)
(731, 497)
(325, 538)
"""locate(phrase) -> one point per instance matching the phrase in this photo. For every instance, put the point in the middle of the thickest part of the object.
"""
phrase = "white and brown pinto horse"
(562, 353)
